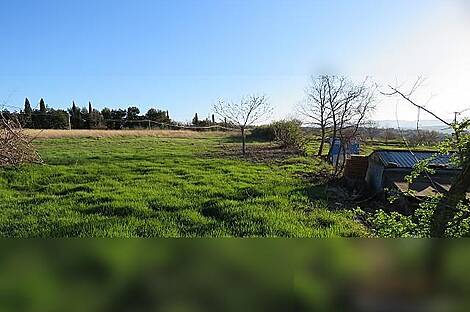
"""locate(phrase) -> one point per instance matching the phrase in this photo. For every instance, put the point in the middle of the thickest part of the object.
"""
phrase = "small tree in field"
(244, 114)
(316, 108)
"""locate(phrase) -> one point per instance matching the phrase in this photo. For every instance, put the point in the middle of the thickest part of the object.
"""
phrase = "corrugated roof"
(408, 159)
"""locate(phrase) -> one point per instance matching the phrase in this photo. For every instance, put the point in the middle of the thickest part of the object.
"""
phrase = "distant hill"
(431, 125)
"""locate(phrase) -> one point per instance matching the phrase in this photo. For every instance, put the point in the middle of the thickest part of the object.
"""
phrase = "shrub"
(15, 147)
(289, 134)
(263, 133)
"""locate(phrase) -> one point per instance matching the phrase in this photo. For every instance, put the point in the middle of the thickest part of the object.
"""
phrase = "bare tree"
(336, 90)
(316, 108)
(338, 107)
(326, 105)
(355, 106)
(243, 114)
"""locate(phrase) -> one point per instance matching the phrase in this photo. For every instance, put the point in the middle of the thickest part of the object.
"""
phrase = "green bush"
(289, 134)
(263, 133)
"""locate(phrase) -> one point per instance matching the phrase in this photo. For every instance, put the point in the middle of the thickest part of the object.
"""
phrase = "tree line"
(75, 117)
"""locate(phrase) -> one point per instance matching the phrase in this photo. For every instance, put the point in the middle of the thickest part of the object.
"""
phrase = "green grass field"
(164, 187)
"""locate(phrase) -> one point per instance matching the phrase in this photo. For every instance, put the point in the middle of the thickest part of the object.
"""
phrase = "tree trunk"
(342, 154)
(445, 211)
(322, 142)
(243, 141)
(333, 138)
(343, 164)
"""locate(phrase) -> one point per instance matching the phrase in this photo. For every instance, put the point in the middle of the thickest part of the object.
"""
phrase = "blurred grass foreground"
(233, 275)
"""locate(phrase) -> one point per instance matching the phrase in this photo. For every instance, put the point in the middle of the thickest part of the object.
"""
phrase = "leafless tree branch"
(245, 113)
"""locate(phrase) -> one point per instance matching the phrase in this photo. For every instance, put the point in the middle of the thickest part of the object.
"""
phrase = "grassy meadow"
(165, 186)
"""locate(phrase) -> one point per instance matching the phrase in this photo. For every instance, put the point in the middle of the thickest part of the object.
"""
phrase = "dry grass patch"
(53, 133)
(257, 153)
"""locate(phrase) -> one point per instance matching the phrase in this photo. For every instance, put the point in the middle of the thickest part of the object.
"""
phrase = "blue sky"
(184, 55)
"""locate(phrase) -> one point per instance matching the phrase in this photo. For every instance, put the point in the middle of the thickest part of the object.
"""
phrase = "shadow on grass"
(240, 222)
(314, 192)
(267, 153)
(108, 211)
(237, 138)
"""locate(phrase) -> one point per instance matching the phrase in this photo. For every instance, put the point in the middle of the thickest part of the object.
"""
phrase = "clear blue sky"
(182, 55)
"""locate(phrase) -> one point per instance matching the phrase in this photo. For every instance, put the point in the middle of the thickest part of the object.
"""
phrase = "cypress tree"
(93, 117)
(195, 120)
(40, 119)
(75, 116)
(28, 114)
(27, 108)
(42, 106)
(84, 119)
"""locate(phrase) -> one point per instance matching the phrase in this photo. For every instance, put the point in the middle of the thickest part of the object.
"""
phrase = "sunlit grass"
(165, 187)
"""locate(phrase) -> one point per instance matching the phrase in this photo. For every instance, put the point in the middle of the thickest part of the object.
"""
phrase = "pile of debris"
(15, 147)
